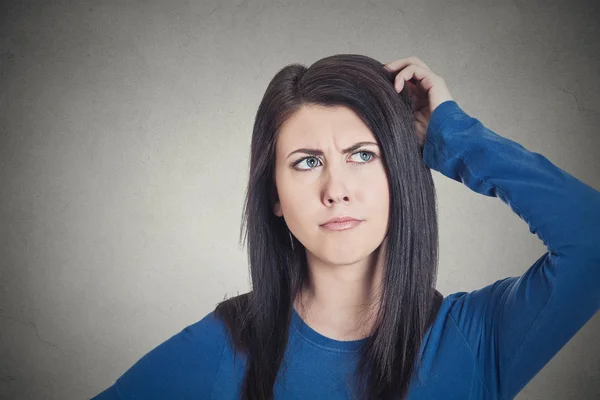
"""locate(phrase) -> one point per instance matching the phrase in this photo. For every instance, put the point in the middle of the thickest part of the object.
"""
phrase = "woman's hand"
(425, 89)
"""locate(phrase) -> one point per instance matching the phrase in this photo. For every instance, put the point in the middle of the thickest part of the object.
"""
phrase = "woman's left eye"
(364, 156)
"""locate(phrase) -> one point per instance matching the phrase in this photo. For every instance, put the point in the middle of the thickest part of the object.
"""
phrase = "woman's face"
(313, 187)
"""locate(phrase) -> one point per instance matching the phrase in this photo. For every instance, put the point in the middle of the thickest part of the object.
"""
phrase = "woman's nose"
(336, 190)
(337, 198)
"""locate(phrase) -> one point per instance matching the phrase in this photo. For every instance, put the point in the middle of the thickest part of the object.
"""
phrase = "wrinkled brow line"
(317, 152)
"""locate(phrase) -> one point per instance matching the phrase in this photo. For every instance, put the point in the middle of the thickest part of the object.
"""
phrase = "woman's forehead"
(318, 125)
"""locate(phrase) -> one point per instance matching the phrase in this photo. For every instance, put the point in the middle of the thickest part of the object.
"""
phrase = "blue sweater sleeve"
(183, 367)
(517, 324)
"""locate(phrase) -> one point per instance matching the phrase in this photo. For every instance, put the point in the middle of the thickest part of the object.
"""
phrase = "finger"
(403, 62)
(414, 72)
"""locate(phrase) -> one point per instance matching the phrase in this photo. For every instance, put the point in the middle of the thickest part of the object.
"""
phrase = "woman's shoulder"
(219, 329)
(217, 324)
(183, 366)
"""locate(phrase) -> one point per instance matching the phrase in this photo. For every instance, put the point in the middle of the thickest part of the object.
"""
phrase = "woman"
(341, 230)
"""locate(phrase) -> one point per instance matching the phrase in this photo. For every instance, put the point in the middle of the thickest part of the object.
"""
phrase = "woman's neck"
(341, 301)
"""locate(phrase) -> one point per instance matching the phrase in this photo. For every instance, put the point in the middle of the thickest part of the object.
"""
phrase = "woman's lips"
(340, 226)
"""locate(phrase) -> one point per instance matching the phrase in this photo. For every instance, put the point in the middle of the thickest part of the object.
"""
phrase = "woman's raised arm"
(516, 325)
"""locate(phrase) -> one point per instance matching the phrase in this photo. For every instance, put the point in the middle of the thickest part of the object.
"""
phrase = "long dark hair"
(258, 321)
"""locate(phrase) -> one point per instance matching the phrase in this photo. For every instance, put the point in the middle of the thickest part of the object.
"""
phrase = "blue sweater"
(484, 344)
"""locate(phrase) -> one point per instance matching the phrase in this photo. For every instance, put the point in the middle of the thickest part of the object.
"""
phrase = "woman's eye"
(310, 162)
(364, 156)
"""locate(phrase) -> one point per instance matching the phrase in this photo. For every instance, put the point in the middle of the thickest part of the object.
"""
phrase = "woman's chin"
(348, 257)
(336, 253)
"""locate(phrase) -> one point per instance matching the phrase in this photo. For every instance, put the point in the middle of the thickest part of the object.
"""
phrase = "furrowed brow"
(317, 152)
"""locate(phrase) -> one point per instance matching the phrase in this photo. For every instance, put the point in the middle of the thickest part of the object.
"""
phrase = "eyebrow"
(317, 152)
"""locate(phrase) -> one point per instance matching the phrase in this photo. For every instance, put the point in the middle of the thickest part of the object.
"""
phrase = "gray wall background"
(124, 145)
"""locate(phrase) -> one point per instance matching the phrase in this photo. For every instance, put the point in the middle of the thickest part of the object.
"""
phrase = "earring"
(291, 239)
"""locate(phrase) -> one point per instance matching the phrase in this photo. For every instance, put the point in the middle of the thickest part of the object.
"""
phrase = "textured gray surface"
(124, 139)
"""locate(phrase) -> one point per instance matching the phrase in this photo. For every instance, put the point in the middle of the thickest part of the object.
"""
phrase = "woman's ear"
(277, 209)
(275, 202)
